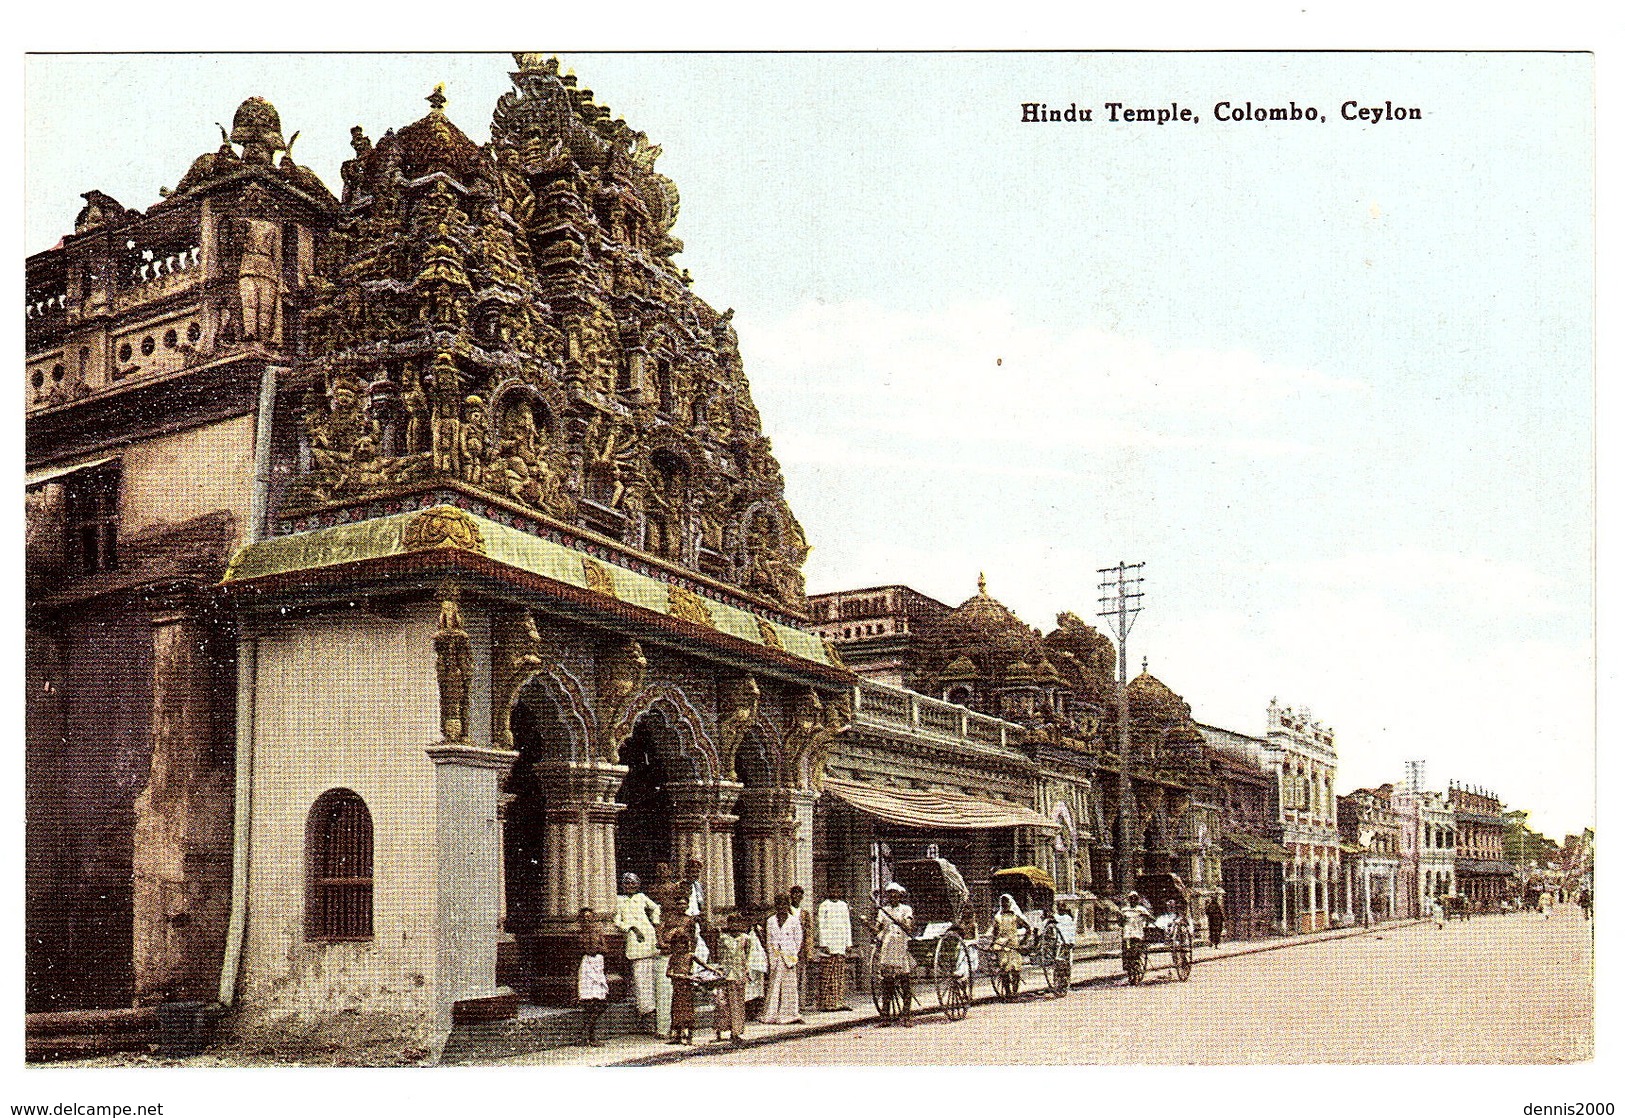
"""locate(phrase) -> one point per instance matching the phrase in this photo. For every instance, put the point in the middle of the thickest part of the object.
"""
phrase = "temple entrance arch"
(654, 760)
(558, 824)
(676, 805)
(541, 740)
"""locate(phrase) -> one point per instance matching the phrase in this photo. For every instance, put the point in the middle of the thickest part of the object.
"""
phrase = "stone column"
(504, 803)
(702, 827)
(767, 828)
(468, 839)
(183, 820)
(801, 841)
(578, 846)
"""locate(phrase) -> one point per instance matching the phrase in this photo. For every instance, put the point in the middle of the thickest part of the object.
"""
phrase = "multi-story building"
(1371, 843)
(1113, 819)
(1250, 819)
(1303, 754)
(1427, 831)
(1483, 875)
(159, 345)
(875, 629)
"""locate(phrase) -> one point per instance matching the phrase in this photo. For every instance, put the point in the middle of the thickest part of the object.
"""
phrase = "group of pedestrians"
(675, 955)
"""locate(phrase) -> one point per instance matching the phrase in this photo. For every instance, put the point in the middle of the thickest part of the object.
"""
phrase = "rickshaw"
(941, 957)
(1047, 947)
(1177, 938)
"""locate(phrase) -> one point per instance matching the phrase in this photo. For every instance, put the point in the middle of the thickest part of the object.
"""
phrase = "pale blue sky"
(1332, 381)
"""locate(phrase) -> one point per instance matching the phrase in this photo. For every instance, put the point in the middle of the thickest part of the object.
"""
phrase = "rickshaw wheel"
(951, 967)
(1055, 957)
(876, 989)
(1007, 984)
(1182, 955)
(1134, 966)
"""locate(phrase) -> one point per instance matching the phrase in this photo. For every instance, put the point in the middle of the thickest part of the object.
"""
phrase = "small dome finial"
(1145, 664)
(981, 583)
(437, 99)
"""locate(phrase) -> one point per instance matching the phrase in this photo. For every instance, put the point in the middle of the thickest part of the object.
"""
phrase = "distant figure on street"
(1546, 905)
(1215, 920)
(680, 973)
(733, 960)
(592, 985)
(1066, 925)
(804, 975)
(1171, 916)
(1584, 897)
(1437, 911)
(1010, 933)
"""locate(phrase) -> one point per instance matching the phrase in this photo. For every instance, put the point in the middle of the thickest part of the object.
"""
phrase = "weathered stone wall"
(346, 700)
(175, 477)
(88, 753)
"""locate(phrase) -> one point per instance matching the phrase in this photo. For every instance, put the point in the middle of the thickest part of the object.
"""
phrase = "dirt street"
(1496, 989)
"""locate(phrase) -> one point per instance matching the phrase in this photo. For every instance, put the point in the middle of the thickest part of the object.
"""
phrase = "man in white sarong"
(784, 941)
(638, 916)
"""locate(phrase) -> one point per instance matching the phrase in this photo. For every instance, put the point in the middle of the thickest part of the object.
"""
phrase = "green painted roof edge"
(380, 537)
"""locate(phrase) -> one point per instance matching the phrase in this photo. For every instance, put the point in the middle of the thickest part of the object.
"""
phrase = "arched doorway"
(655, 760)
(531, 912)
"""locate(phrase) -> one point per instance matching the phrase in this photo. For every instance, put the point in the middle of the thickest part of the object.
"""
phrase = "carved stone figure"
(472, 448)
(352, 170)
(415, 409)
(621, 670)
(813, 727)
(516, 656)
(454, 664)
(738, 699)
(259, 279)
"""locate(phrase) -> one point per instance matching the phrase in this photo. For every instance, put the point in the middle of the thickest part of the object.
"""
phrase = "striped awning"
(934, 808)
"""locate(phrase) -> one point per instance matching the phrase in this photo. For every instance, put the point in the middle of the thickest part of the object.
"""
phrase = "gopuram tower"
(503, 599)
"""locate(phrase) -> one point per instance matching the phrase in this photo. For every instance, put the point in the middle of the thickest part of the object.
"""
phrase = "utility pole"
(1120, 597)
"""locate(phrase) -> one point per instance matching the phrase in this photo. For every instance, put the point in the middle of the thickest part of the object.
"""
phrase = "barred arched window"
(338, 904)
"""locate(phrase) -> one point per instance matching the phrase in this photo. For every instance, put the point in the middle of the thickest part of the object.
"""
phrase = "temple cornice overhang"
(398, 555)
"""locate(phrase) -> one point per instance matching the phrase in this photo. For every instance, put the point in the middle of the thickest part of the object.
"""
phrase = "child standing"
(680, 970)
(733, 957)
(592, 985)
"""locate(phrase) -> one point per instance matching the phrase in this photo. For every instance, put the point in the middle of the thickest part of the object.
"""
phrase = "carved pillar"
(183, 820)
(578, 846)
(702, 827)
